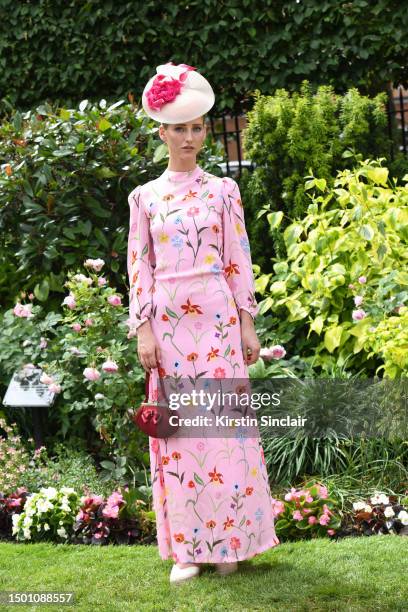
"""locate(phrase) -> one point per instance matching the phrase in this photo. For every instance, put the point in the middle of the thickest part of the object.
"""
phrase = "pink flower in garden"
(358, 300)
(312, 520)
(88, 322)
(54, 388)
(115, 499)
(297, 515)
(351, 286)
(81, 278)
(102, 281)
(110, 366)
(277, 507)
(307, 510)
(111, 511)
(91, 373)
(46, 380)
(358, 315)
(74, 350)
(323, 493)
(115, 300)
(94, 264)
(331, 531)
(309, 499)
(70, 302)
(23, 310)
(76, 327)
(362, 280)
(326, 509)
(31, 296)
(324, 519)
(274, 352)
(43, 343)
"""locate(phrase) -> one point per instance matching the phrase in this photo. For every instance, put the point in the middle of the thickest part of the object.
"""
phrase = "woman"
(192, 307)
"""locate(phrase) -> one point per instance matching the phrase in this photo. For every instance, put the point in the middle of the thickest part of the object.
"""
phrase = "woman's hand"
(251, 347)
(148, 349)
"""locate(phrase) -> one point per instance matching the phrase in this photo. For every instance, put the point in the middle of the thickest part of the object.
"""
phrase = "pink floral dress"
(190, 273)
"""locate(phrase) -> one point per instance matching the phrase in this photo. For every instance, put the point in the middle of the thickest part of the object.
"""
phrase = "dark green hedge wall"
(64, 51)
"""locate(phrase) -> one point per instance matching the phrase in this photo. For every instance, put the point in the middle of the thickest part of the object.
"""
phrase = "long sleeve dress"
(190, 273)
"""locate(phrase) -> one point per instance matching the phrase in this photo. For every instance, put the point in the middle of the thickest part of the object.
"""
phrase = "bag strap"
(147, 379)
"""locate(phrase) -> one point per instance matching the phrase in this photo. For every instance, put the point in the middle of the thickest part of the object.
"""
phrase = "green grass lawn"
(352, 574)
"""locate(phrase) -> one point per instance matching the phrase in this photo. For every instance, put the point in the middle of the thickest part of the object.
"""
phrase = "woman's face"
(179, 136)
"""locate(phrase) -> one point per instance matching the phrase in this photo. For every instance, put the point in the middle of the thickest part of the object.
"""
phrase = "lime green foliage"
(311, 132)
(345, 272)
(390, 340)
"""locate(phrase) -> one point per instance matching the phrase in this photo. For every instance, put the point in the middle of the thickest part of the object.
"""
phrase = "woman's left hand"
(250, 344)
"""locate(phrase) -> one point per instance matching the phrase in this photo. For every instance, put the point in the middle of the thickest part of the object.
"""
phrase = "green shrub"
(307, 133)
(345, 273)
(63, 191)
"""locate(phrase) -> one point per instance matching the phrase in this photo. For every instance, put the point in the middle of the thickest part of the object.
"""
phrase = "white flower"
(27, 534)
(49, 492)
(62, 533)
(367, 508)
(46, 526)
(389, 512)
(359, 505)
(67, 490)
(27, 522)
(380, 498)
(403, 517)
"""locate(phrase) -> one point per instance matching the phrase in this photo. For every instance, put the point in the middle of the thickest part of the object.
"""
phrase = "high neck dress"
(190, 273)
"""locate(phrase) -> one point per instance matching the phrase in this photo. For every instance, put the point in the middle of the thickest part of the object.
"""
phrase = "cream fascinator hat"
(177, 94)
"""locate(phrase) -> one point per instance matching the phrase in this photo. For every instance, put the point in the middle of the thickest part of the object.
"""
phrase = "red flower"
(216, 476)
(228, 523)
(231, 269)
(211, 524)
(165, 317)
(212, 354)
(191, 307)
(249, 490)
(165, 460)
(192, 356)
(176, 455)
(191, 484)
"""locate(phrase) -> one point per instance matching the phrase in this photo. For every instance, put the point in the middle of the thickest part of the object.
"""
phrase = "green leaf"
(275, 219)
(378, 175)
(104, 125)
(332, 338)
(198, 479)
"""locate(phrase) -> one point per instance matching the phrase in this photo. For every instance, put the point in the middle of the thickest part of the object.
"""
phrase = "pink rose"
(312, 520)
(88, 322)
(54, 388)
(23, 310)
(94, 264)
(46, 380)
(297, 515)
(274, 352)
(277, 507)
(115, 300)
(76, 327)
(358, 315)
(102, 281)
(331, 531)
(110, 366)
(70, 302)
(91, 373)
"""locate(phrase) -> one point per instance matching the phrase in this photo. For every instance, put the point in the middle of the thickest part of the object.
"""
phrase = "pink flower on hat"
(161, 92)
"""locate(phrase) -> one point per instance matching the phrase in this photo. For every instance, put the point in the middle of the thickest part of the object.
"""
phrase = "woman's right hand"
(148, 349)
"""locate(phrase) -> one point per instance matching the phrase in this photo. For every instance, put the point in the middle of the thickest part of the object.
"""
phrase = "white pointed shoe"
(224, 569)
(179, 574)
